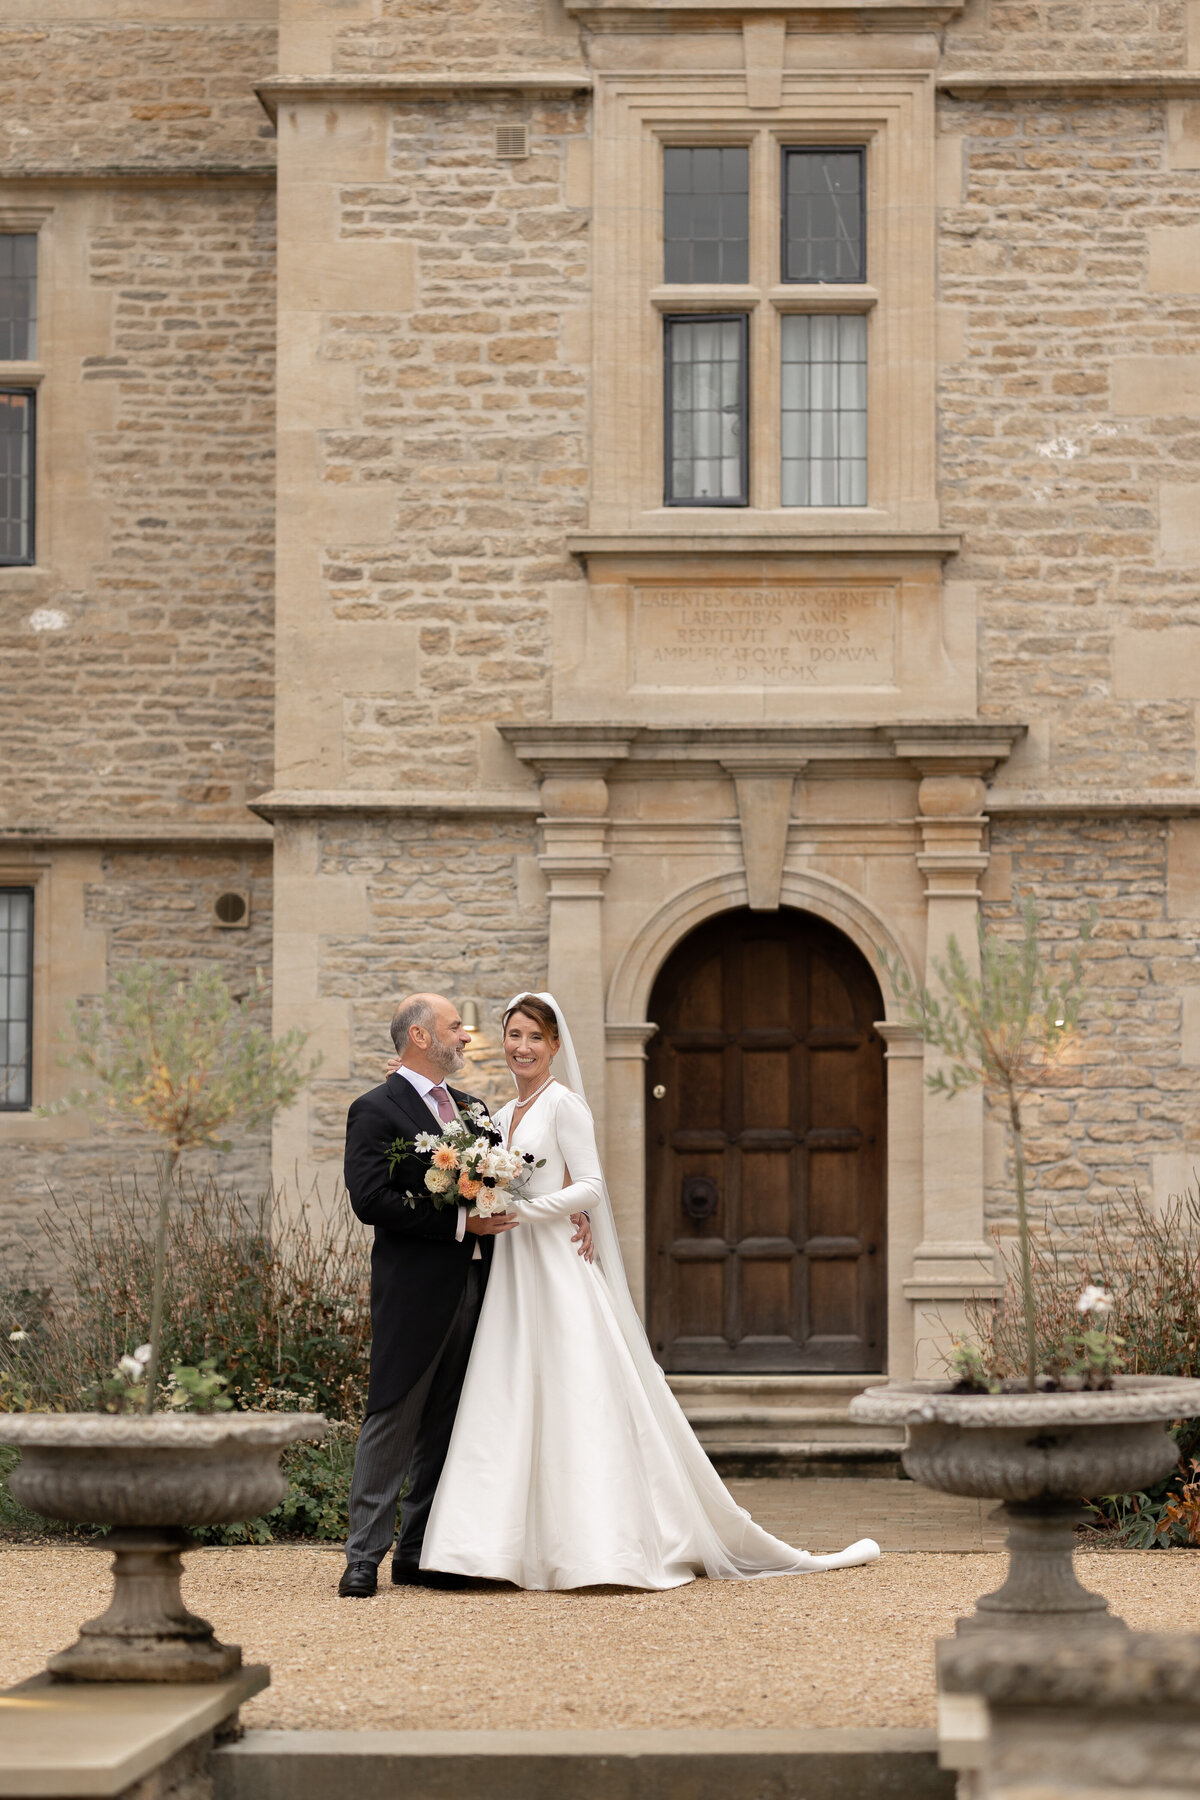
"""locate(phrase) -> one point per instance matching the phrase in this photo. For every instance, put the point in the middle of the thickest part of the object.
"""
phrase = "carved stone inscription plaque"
(760, 637)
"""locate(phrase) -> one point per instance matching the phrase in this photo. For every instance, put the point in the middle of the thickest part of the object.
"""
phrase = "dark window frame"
(786, 150)
(670, 320)
(693, 280)
(31, 395)
(6, 1104)
(30, 321)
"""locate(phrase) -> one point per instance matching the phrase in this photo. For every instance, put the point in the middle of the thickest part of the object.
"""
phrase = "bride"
(571, 1462)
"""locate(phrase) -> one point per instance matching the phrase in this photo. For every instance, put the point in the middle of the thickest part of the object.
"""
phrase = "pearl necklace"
(522, 1104)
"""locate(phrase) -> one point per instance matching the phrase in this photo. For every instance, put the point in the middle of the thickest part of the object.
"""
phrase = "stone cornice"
(1065, 84)
(257, 174)
(309, 803)
(591, 544)
(820, 750)
(624, 15)
(325, 88)
(152, 833)
(1158, 803)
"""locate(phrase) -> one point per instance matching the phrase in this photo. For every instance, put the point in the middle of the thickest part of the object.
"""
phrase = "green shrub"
(1148, 1262)
(278, 1296)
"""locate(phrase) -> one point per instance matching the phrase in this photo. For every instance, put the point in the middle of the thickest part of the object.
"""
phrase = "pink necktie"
(445, 1104)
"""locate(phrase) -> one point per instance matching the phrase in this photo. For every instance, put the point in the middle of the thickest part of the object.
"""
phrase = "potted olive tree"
(184, 1060)
(1072, 1426)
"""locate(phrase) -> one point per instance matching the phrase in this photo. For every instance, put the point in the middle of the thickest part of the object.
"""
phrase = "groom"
(429, 1267)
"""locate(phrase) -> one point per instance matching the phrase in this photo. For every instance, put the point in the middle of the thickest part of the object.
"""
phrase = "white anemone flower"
(1094, 1300)
(142, 1354)
(132, 1369)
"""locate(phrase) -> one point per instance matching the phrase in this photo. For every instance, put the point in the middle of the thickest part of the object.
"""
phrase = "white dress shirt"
(425, 1087)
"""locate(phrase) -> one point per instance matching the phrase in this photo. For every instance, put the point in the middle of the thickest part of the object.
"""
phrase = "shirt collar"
(421, 1082)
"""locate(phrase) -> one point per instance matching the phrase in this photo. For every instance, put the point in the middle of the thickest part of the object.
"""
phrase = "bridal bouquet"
(466, 1161)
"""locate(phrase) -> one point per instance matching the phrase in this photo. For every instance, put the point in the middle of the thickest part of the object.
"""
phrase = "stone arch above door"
(766, 1187)
(833, 901)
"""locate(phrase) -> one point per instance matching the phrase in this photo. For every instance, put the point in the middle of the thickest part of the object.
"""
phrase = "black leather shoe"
(359, 1581)
(406, 1574)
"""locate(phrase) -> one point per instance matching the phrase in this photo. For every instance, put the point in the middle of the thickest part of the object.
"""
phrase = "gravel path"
(852, 1647)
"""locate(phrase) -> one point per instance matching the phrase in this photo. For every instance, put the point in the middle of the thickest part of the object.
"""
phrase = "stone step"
(787, 1424)
(842, 1764)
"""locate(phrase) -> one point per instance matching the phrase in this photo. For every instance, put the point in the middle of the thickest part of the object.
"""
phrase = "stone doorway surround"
(648, 831)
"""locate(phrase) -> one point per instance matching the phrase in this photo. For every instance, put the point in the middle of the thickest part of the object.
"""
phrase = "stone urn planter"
(150, 1478)
(1041, 1455)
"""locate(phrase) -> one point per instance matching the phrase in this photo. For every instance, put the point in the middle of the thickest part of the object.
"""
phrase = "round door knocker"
(701, 1197)
(659, 1091)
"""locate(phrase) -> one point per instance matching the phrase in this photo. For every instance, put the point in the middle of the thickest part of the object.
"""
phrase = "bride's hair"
(538, 1011)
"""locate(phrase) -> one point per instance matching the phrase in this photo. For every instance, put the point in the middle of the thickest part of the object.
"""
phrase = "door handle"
(659, 1091)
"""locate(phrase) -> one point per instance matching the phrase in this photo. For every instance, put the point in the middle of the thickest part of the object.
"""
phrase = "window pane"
(706, 214)
(706, 411)
(18, 296)
(823, 215)
(824, 409)
(16, 475)
(16, 997)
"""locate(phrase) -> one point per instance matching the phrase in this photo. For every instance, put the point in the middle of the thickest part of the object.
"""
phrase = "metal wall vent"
(512, 142)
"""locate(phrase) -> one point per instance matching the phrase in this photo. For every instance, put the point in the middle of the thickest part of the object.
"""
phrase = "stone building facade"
(378, 579)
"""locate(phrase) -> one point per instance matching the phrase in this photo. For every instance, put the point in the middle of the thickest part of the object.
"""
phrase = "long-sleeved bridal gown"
(571, 1462)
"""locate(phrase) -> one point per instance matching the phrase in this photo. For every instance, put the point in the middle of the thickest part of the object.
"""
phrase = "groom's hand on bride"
(493, 1226)
(583, 1236)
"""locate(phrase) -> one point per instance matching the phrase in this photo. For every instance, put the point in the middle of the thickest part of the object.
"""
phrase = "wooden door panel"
(700, 1075)
(766, 1195)
(767, 1298)
(701, 1292)
(833, 1201)
(765, 1086)
(765, 1155)
(702, 1004)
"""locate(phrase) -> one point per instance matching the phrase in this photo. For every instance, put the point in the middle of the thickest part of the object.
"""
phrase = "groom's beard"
(449, 1059)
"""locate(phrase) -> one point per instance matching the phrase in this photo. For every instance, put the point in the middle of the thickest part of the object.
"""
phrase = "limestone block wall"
(141, 646)
(116, 907)
(171, 81)
(1069, 272)
(456, 905)
(1048, 34)
(137, 654)
(422, 534)
(1124, 1110)
(378, 37)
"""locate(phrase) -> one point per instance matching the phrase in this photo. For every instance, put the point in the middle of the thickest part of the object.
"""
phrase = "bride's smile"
(528, 1052)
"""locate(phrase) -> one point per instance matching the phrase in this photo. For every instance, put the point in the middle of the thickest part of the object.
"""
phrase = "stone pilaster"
(575, 860)
(625, 1153)
(905, 1073)
(953, 1261)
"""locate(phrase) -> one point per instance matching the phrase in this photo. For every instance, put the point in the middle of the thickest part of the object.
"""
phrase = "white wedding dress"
(571, 1463)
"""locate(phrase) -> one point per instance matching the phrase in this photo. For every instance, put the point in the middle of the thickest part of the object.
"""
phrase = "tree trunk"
(166, 1183)
(1031, 1345)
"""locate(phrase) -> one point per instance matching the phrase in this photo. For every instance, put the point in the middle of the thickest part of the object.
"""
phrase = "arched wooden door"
(765, 1151)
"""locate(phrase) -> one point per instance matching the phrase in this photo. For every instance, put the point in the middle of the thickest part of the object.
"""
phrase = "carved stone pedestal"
(151, 1477)
(1042, 1455)
(147, 1634)
(1041, 1581)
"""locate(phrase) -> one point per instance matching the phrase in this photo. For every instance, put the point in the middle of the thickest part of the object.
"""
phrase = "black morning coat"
(418, 1270)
